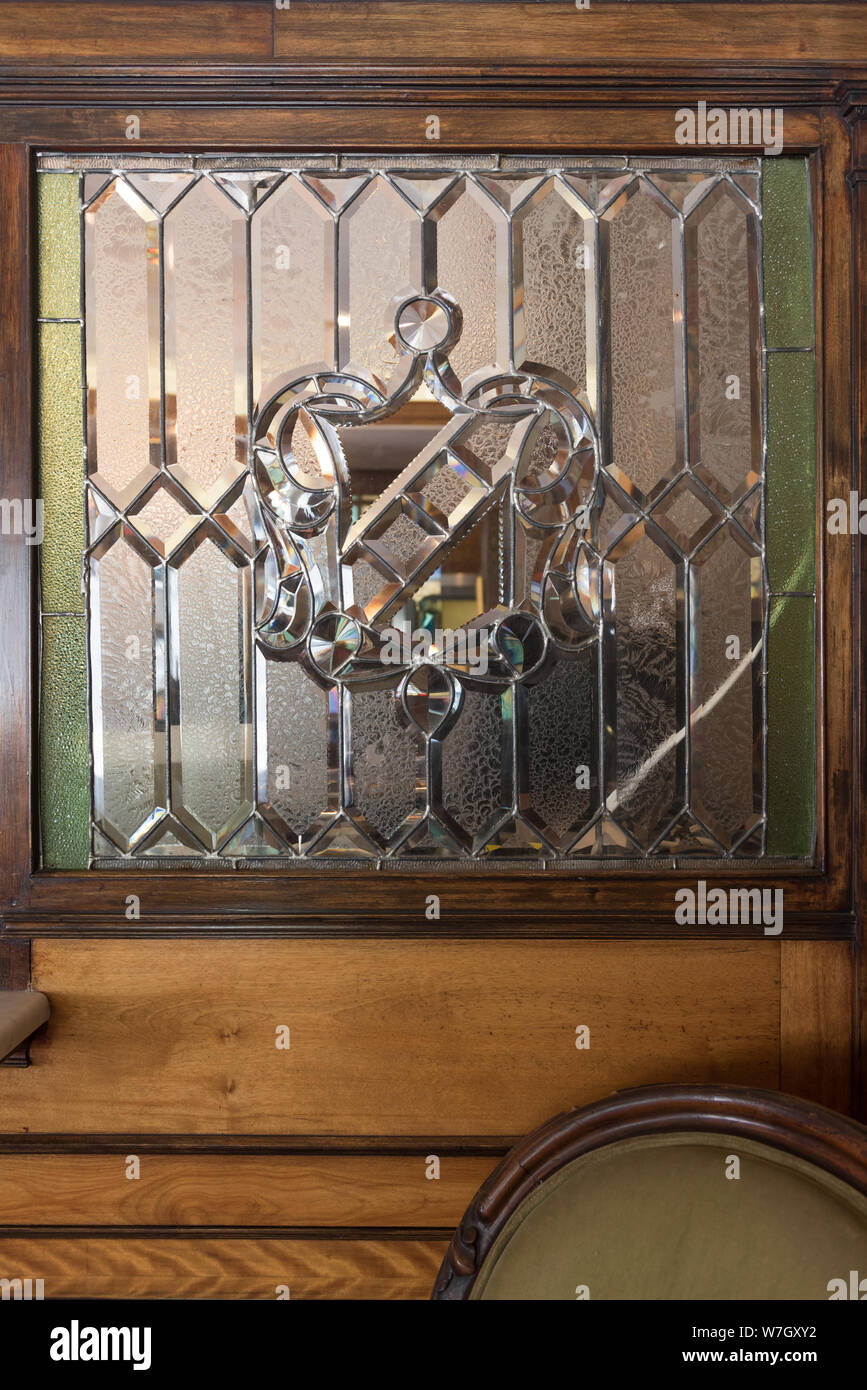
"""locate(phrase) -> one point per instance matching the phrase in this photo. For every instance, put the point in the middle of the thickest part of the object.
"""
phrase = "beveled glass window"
(433, 510)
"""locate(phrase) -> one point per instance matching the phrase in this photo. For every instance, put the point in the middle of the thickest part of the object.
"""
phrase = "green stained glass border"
(790, 505)
(64, 743)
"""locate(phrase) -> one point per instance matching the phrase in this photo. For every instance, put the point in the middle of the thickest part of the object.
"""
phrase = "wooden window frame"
(364, 106)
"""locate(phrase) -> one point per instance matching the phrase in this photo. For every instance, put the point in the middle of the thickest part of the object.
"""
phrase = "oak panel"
(87, 1267)
(371, 123)
(225, 1190)
(392, 1037)
(711, 33)
(76, 30)
(816, 1022)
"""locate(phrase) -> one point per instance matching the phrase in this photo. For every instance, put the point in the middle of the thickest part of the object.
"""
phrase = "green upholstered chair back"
(672, 1193)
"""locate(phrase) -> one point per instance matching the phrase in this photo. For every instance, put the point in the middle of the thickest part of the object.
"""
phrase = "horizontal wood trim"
(577, 903)
(93, 1267)
(465, 84)
(399, 1037)
(393, 124)
(531, 922)
(817, 993)
(489, 1146)
(652, 33)
(216, 1190)
(67, 31)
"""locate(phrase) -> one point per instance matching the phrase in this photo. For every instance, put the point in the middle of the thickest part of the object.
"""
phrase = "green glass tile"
(64, 774)
(61, 466)
(791, 472)
(59, 250)
(787, 256)
(791, 727)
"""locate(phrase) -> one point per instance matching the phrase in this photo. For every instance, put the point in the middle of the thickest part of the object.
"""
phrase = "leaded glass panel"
(426, 509)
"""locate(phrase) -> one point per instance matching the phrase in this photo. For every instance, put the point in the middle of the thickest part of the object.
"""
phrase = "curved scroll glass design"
(425, 509)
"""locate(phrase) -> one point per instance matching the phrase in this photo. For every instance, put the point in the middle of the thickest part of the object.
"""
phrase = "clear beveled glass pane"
(725, 685)
(122, 319)
(476, 761)
(645, 757)
(294, 729)
(724, 343)
(383, 772)
(128, 679)
(641, 242)
(554, 270)
(471, 260)
(563, 753)
(292, 239)
(380, 239)
(210, 695)
(206, 340)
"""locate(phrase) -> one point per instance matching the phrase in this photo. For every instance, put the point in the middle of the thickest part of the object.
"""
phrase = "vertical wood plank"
(859, 207)
(816, 1021)
(16, 557)
(15, 974)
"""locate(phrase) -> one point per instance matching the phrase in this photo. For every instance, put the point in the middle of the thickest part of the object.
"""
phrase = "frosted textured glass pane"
(122, 327)
(61, 466)
(206, 340)
(384, 254)
(645, 325)
(383, 762)
(644, 588)
(63, 752)
(563, 746)
(791, 471)
(476, 764)
(725, 690)
(292, 248)
(468, 270)
(128, 756)
(788, 253)
(791, 726)
(725, 415)
(210, 749)
(59, 249)
(556, 244)
(295, 746)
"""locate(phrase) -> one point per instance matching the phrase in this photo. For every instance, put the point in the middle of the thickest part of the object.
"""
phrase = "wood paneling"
(618, 30)
(310, 32)
(16, 558)
(366, 124)
(225, 1190)
(391, 1037)
(816, 1015)
(67, 31)
(859, 203)
(224, 1268)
